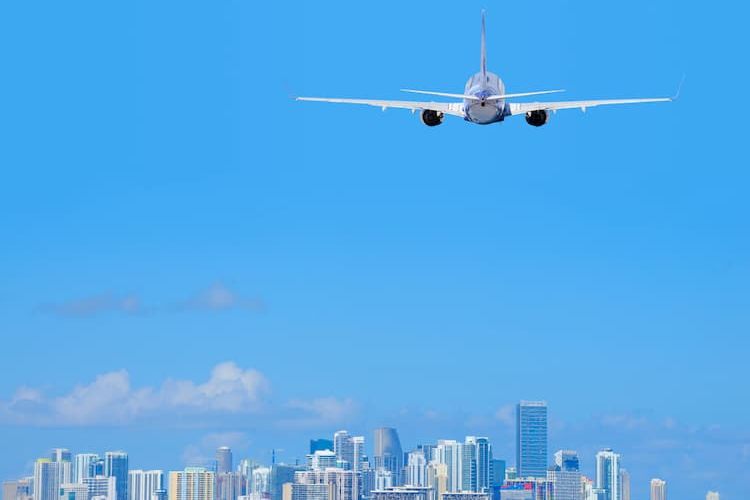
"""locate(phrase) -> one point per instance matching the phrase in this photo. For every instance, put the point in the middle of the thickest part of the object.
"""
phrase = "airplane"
(485, 101)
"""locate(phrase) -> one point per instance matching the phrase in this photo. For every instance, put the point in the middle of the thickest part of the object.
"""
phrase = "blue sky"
(191, 258)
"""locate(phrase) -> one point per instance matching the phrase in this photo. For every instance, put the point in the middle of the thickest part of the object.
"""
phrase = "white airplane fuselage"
(483, 111)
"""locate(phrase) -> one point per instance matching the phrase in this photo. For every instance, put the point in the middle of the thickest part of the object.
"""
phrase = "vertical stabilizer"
(484, 51)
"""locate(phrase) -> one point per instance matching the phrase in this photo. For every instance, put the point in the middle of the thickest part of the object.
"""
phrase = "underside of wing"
(522, 108)
(455, 109)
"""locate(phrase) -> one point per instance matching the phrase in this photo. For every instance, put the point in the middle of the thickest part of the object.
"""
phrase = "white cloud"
(220, 298)
(93, 305)
(230, 389)
(111, 400)
(319, 412)
(624, 421)
(217, 297)
(507, 415)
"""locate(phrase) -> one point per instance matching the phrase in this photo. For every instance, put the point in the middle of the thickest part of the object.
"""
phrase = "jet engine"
(537, 118)
(432, 118)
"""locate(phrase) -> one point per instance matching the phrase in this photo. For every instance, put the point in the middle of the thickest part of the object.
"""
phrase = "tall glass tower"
(484, 459)
(608, 474)
(116, 465)
(388, 453)
(531, 439)
(223, 459)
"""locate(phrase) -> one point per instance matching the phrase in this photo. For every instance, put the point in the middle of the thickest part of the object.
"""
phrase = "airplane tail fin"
(484, 50)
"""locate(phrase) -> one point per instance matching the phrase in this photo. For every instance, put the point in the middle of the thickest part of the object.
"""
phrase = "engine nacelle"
(537, 118)
(432, 118)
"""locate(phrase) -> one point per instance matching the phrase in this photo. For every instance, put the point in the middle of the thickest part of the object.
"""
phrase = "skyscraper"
(116, 465)
(497, 473)
(229, 485)
(193, 483)
(343, 446)
(281, 474)
(359, 456)
(608, 474)
(416, 469)
(101, 487)
(531, 439)
(449, 453)
(74, 491)
(340, 485)
(388, 453)
(658, 489)
(223, 459)
(565, 475)
(62, 456)
(469, 465)
(624, 484)
(46, 479)
(82, 466)
(484, 461)
(142, 484)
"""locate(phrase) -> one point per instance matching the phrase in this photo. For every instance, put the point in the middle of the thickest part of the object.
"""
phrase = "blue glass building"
(531, 439)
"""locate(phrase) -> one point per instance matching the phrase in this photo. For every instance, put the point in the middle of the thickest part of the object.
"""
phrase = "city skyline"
(563, 480)
(460, 464)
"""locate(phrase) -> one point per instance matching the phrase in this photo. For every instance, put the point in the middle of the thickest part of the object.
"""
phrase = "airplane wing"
(522, 108)
(448, 108)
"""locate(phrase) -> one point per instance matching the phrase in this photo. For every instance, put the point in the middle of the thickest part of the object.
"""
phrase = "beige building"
(193, 483)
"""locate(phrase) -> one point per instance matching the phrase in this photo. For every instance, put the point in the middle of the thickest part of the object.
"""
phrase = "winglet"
(484, 49)
(679, 89)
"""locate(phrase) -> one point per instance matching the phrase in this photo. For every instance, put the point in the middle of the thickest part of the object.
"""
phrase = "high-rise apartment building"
(608, 474)
(47, 475)
(450, 453)
(497, 473)
(469, 465)
(229, 485)
(280, 475)
(565, 475)
(658, 489)
(74, 491)
(359, 456)
(63, 457)
(484, 464)
(142, 484)
(624, 484)
(344, 448)
(388, 453)
(82, 466)
(531, 439)
(223, 459)
(336, 484)
(416, 469)
(101, 487)
(193, 483)
(116, 465)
